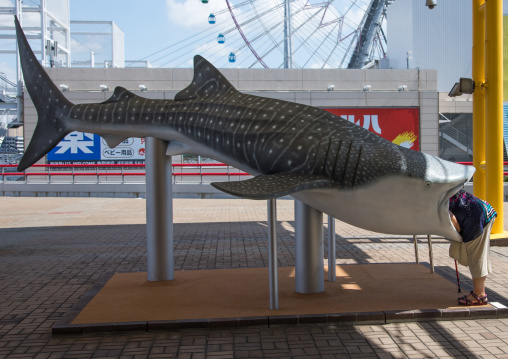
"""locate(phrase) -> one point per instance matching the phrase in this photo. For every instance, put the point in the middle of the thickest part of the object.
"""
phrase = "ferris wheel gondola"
(211, 19)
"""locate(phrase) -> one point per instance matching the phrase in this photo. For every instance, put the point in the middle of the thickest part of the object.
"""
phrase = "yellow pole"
(494, 109)
(479, 97)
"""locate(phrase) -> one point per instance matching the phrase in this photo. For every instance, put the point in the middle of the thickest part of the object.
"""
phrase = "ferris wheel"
(286, 34)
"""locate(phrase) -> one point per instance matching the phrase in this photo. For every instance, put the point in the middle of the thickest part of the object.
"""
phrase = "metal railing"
(457, 137)
(198, 173)
(505, 164)
(8, 89)
(115, 173)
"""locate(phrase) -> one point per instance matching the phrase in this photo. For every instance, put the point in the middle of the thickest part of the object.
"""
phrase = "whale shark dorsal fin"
(207, 81)
(273, 186)
(120, 94)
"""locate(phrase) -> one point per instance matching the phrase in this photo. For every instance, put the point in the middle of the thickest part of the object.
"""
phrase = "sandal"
(480, 300)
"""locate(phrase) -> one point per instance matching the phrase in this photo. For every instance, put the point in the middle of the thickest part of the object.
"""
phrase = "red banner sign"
(398, 125)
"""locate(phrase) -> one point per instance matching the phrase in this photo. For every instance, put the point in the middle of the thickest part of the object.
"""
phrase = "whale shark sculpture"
(317, 157)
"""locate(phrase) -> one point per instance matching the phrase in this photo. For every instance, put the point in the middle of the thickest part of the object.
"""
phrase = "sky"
(148, 26)
(152, 26)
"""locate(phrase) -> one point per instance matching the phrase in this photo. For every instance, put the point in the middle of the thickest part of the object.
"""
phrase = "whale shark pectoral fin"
(207, 81)
(113, 141)
(120, 94)
(177, 148)
(273, 186)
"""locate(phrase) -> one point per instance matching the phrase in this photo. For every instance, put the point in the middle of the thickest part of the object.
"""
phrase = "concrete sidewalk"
(54, 250)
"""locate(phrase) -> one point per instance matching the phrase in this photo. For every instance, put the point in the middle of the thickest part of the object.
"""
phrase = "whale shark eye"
(428, 184)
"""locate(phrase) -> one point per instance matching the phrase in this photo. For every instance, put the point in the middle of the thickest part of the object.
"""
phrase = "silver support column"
(431, 255)
(332, 276)
(415, 238)
(20, 116)
(44, 34)
(272, 254)
(159, 211)
(309, 268)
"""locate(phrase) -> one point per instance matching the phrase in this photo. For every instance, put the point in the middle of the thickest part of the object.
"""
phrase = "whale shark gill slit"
(347, 158)
(353, 180)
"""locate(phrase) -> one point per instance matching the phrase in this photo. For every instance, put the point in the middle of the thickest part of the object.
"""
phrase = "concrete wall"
(136, 190)
(305, 86)
(459, 104)
(163, 79)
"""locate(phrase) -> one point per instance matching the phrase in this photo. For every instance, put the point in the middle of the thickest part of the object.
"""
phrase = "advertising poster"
(398, 125)
(88, 148)
(130, 149)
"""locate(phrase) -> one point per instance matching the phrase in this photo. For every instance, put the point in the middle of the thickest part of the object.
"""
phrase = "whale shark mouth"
(390, 206)
(393, 205)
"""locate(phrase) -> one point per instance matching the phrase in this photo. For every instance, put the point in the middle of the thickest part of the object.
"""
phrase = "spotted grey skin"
(319, 158)
(266, 136)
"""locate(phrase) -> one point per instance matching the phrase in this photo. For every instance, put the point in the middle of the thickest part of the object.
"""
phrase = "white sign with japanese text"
(130, 149)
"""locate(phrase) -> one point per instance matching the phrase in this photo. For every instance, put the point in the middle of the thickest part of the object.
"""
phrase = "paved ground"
(53, 250)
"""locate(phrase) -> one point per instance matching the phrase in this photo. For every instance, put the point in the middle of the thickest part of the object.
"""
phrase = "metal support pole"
(288, 32)
(478, 70)
(44, 30)
(431, 255)
(272, 254)
(332, 276)
(309, 268)
(415, 238)
(19, 75)
(159, 211)
(494, 110)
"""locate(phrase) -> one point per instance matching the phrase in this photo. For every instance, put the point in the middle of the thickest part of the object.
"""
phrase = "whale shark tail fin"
(274, 185)
(48, 100)
(207, 82)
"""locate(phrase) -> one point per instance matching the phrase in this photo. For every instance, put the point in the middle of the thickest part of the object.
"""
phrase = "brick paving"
(54, 250)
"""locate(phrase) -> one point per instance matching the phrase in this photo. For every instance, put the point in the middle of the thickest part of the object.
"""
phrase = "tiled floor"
(53, 250)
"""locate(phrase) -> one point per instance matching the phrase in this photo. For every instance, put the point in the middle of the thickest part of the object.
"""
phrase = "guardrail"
(118, 173)
(111, 173)
(458, 138)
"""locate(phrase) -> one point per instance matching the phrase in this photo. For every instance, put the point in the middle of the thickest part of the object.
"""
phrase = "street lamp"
(431, 4)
